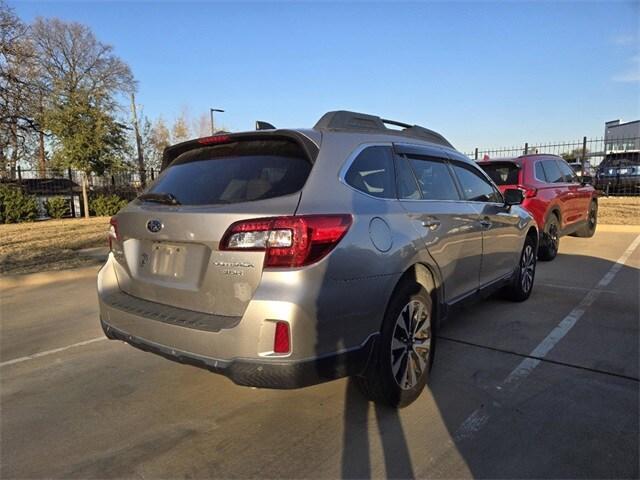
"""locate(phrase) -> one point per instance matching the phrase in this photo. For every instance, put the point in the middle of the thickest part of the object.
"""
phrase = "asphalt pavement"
(547, 389)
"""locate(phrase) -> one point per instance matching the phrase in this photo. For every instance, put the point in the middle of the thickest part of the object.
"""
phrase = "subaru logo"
(154, 226)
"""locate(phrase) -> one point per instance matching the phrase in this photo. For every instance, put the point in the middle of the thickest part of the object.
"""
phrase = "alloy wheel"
(411, 344)
(527, 268)
(592, 215)
(553, 237)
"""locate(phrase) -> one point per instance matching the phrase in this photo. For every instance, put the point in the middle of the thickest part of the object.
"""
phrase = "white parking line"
(480, 416)
(50, 352)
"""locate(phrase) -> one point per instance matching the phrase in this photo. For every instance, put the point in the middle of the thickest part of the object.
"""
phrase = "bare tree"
(84, 83)
(19, 85)
(155, 138)
(202, 126)
(180, 130)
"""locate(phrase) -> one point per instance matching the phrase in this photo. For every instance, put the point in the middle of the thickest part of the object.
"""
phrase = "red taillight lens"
(293, 241)
(113, 231)
(214, 139)
(281, 339)
(529, 192)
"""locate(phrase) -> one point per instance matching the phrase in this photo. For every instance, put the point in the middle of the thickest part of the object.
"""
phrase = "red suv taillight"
(113, 231)
(293, 241)
(529, 192)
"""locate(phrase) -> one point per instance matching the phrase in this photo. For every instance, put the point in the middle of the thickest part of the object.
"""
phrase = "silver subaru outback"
(285, 258)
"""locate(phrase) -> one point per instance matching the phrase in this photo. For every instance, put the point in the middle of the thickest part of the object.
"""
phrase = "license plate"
(168, 260)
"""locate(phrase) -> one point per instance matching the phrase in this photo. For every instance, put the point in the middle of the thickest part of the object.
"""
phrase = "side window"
(372, 172)
(552, 172)
(567, 172)
(434, 179)
(405, 180)
(474, 186)
(540, 172)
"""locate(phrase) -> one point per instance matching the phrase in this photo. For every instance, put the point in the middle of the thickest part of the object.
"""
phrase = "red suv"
(561, 203)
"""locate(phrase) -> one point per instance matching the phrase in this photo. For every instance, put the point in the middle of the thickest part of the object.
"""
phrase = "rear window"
(235, 172)
(502, 173)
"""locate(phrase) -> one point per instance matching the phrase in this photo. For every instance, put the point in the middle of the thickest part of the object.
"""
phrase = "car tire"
(400, 364)
(592, 222)
(522, 282)
(550, 240)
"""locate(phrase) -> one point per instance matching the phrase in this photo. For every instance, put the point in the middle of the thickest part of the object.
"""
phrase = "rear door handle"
(485, 223)
(431, 223)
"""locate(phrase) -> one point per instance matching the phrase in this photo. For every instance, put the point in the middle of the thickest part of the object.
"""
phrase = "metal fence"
(44, 184)
(614, 163)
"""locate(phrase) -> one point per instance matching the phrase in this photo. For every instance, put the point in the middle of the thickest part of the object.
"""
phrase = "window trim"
(342, 174)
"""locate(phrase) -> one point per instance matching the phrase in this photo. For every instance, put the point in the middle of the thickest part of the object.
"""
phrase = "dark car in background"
(619, 173)
(560, 201)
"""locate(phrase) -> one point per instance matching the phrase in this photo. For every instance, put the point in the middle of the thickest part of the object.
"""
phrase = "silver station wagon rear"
(284, 258)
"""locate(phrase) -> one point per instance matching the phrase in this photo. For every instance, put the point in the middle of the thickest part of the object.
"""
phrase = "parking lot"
(547, 388)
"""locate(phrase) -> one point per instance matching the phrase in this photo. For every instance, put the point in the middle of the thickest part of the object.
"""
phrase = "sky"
(484, 74)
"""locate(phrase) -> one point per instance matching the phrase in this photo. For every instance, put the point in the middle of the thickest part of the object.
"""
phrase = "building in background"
(621, 137)
(619, 172)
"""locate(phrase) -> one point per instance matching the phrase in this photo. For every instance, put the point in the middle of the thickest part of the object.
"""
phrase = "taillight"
(293, 241)
(281, 339)
(529, 192)
(113, 232)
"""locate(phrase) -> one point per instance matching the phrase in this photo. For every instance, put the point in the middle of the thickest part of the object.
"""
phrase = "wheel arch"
(428, 278)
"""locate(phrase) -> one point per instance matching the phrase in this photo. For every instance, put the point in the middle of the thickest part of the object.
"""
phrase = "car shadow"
(484, 343)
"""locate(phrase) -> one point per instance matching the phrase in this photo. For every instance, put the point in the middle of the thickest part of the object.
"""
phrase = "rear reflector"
(293, 241)
(281, 340)
(529, 192)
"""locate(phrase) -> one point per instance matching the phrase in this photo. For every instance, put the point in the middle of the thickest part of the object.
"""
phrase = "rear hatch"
(167, 247)
(505, 174)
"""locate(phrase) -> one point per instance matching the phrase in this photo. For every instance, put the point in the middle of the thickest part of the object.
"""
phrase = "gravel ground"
(619, 210)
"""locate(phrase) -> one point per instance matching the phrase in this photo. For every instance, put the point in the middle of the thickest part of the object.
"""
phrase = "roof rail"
(343, 120)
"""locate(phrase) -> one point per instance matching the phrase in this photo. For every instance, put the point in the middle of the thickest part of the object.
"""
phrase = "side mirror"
(585, 179)
(513, 196)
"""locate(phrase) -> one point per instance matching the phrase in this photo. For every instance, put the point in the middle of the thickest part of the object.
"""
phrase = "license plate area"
(168, 260)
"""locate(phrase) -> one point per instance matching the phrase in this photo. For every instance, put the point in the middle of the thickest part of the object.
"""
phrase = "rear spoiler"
(173, 151)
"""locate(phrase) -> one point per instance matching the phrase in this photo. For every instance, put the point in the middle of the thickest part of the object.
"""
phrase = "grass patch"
(50, 244)
(619, 210)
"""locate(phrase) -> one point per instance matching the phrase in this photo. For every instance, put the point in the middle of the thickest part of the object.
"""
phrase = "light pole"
(213, 132)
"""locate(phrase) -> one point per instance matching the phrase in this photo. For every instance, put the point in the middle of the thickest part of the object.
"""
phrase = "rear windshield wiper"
(159, 197)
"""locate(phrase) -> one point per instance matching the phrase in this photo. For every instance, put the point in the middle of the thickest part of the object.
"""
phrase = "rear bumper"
(261, 373)
(238, 347)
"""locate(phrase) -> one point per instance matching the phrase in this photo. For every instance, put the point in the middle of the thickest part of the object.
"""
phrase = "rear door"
(580, 194)
(501, 242)
(447, 224)
(169, 253)
(561, 191)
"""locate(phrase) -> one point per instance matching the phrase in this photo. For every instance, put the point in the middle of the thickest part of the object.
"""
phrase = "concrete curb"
(618, 228)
